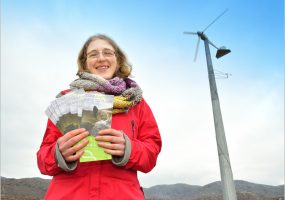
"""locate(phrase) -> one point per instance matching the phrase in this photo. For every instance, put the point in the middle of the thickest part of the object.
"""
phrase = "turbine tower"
(229, 192)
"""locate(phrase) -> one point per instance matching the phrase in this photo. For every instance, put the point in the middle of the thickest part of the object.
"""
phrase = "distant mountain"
(176, 191)
(23, 189)
(35, 188)
(213, 191)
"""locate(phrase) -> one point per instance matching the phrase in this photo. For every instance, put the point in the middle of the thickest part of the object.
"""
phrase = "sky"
(40, 41)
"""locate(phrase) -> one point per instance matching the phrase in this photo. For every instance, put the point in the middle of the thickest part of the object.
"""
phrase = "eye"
(94, 55)
(108, 53)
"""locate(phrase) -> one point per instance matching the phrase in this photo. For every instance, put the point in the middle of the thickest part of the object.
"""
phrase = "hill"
(213, 191)
(35, 188)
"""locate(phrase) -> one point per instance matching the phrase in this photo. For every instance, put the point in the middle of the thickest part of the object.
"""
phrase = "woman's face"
(101, 59)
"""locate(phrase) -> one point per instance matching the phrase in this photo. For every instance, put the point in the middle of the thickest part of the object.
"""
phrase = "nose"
(101, 56)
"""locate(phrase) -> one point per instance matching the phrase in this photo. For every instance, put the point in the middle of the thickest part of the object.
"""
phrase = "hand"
(70, 150)
(112, 141)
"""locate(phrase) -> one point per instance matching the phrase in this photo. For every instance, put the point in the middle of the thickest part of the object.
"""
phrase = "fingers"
(73, 153)
(113, 149)
(110, 131)
(114, 152)
(71, 134)
(71, 138)
(107, 145)
(111, 135)
(69, 145)
(112, 141)
(74, 156)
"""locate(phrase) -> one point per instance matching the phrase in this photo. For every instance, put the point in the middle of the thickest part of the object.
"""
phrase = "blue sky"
(40, 41)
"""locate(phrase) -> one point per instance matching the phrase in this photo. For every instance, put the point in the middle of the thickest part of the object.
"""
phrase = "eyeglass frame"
(103, 52)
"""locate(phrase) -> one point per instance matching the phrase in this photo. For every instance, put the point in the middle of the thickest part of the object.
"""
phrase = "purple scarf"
(116, 86)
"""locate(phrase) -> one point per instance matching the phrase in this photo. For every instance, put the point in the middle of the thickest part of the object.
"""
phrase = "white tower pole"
(229, 192)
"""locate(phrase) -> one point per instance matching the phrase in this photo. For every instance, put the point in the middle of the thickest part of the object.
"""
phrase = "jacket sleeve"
(147, 145)
(46, 154)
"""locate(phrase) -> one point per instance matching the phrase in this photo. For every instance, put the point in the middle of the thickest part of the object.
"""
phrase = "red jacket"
(102, 180)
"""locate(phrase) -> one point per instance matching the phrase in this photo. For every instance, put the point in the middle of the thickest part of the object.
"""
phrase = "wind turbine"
(229, 192)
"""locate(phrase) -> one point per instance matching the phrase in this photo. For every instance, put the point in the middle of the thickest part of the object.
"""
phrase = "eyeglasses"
(106, 53)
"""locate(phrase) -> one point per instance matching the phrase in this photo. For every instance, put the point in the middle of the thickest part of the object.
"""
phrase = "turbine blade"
(191, 33)
(197, 49)
(215, 20)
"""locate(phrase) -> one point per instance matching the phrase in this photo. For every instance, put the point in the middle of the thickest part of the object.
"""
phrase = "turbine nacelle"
(220, 51)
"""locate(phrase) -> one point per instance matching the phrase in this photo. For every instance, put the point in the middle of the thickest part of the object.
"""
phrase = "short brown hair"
(125, 67)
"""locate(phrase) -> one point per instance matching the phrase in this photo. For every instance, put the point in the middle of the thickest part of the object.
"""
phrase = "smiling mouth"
(103, 67)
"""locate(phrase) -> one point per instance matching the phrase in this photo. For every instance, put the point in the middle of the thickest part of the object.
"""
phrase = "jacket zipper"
(133, 127)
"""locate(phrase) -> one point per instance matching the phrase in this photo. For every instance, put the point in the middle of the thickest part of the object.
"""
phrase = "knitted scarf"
(126, 91)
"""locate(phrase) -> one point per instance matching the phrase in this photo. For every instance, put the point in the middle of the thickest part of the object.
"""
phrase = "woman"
(133, 140)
